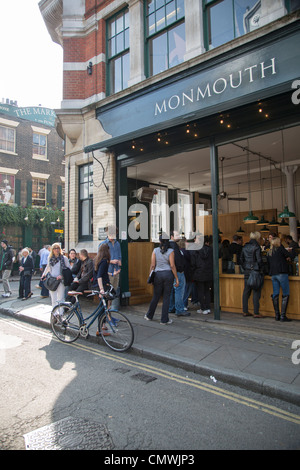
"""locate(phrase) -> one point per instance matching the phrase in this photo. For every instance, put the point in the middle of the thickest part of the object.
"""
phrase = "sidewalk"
(251, 353)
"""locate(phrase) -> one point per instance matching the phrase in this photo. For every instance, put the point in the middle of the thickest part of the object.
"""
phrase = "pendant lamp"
(286, 214)
(240, 231)
(273, 223)
(265, 229)
(262, 221)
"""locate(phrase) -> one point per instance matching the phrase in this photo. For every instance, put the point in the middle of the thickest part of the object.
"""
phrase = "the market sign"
(37, 114)
(258, 70)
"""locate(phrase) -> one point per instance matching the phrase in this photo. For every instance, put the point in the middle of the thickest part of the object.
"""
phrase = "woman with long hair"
(101, 264)
(163, 265)
(56, 263)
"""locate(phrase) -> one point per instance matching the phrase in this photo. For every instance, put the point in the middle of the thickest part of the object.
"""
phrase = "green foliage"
(30, 216)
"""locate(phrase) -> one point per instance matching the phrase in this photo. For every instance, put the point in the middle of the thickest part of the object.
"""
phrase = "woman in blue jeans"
(278, 270)
(163, 264)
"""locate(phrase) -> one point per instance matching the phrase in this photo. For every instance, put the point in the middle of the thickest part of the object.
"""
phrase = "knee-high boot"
(275, 301)
(284, 304)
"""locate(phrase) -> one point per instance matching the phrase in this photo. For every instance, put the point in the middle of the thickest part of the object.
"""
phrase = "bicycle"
(68, 322)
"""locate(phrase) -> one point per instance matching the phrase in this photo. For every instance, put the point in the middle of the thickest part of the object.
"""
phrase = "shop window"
(185, 213)
(39, 143)
(159, 213)
(165, 34)
(7, 139)
(229, 19)
(39, 188)
(118, 52)
(7, 188)
(86, 201)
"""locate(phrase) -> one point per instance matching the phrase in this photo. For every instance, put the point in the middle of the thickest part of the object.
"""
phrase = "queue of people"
(181, 271)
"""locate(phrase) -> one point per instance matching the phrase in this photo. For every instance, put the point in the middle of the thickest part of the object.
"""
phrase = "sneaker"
(205, 312)
(147, 318)
(167, 323)
(200, 311)
(8, 294)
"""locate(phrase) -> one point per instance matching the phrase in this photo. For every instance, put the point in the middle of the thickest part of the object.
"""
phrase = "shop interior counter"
(231, 292)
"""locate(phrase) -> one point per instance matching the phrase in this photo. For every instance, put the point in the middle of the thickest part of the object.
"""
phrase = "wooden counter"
(231, 292)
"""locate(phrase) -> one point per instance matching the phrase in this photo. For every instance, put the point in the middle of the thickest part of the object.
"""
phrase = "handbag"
(67, 275)
(151, 277)
(51, 283)
(256, 278)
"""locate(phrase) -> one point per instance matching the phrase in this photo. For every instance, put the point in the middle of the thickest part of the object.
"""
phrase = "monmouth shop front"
(219, 140)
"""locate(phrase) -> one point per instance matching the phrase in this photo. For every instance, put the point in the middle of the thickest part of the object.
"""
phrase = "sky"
(31, 63)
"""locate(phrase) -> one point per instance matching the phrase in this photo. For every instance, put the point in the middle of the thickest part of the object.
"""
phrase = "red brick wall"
(78, 84)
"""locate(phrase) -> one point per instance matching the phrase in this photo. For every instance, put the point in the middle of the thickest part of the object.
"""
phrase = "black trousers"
(24, 286)
(163, 283)
(78, 288)
(246, 294)
(203, 289)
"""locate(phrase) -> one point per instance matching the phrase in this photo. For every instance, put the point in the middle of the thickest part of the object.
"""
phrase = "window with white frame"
(160, 220)
(39, 145)
(7, 139)
(184, 213)
(39, 191)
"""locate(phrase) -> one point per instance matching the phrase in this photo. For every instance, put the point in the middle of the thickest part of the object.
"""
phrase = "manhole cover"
(69, 434)
(143, 377)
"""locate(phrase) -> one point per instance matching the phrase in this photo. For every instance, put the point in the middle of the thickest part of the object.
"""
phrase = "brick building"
(32, 174)
(155, 92)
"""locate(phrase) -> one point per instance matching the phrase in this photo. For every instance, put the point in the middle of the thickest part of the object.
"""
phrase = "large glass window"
(229, 19)
(86, 201)
(118, 52)
(165, 34)
(39, 192)
(7, 139)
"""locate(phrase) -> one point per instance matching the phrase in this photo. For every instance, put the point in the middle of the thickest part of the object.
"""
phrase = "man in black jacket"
(251, 259)
(6, 265)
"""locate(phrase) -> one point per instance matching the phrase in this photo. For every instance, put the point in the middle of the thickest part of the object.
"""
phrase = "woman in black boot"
(278, 257)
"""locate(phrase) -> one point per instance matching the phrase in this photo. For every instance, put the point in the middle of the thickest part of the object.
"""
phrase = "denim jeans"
(176, 298)
(283, 281)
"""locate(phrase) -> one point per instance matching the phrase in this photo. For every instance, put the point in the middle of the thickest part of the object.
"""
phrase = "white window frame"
(44, 133)
(159, 219)
(185, 213)
(10, 125)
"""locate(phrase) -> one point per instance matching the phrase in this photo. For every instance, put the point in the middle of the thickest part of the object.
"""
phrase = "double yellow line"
(249, 402)
(213, 389)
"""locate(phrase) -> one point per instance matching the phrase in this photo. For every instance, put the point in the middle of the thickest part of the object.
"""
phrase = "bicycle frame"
(100, 310)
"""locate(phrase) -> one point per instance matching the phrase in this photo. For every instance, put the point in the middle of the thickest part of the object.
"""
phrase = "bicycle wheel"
(116, 331)
(65, 322)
